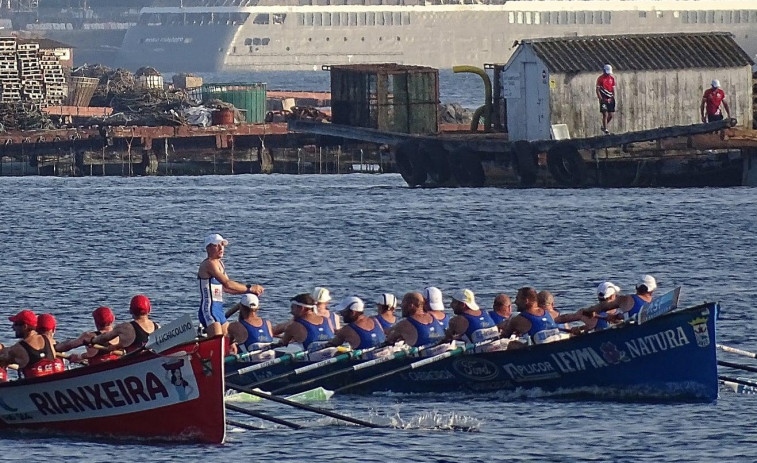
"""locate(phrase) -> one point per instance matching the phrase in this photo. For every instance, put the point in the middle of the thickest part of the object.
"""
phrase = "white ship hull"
(277, 37)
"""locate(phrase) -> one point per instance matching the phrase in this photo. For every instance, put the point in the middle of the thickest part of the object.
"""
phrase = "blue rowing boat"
(669, 357)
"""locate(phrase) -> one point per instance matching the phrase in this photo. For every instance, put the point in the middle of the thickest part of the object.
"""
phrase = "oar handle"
(734, 350)
(737, 366)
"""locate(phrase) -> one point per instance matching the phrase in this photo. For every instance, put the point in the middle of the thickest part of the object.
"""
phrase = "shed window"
(371, 19)
(327, 18)
(537, 18)
(581, 17)
(511, 17)
(353, 20)
(300, 19)
(571, 17)
(563, 18)
(528, 17)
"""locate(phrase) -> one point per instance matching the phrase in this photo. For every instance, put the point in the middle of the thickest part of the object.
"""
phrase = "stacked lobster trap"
(30, 75)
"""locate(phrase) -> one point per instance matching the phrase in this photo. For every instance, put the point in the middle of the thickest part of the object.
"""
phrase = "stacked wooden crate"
(10, 84)
(32, 85)
(53, 78)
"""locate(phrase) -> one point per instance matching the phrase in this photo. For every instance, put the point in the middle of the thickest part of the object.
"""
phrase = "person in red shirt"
(712, 99)
(606, 95)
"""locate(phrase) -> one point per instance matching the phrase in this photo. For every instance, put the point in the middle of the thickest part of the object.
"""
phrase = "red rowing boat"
(176, 395)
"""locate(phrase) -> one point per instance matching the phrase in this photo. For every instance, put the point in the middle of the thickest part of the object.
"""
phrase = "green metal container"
(249, 97)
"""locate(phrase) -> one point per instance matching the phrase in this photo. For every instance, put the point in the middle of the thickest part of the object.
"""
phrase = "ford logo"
(477, 369)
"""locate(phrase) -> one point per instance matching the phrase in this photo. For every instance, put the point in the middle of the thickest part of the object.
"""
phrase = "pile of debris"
(112, 82)
(23, 116)
(453, 113)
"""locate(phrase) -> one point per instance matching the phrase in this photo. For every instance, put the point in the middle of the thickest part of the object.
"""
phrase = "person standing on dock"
(606, 95)
(213, 283)
(713, 98)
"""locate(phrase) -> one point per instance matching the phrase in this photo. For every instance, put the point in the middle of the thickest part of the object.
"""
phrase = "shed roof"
(44, 43)
(640, 52)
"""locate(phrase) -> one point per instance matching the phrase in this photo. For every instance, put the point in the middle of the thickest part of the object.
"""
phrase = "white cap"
(715, 83)
(250, 300)
(321, 295)
(352, 303)
(215, 238)
(607, 289)
(387, 299)
(467, 297)
(607, 69)
(433, 296)
(649, 282)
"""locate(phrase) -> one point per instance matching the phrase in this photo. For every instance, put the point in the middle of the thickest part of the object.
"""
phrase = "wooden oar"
(268, 363)
(737, 366)
(414, 365)
(239, 424)
(359, 366)
(734, 350)
(313, 366)
(263, 416)
(320, 411)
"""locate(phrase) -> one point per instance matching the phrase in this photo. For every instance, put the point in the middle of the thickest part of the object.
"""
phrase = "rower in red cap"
(104, 319)
(34, 354)
(131, 335)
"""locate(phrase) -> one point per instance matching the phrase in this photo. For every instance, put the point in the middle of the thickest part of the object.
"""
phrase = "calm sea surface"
(72, 244)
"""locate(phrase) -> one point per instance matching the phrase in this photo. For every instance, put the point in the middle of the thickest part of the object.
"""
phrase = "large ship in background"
(263, 35)
(270, 35)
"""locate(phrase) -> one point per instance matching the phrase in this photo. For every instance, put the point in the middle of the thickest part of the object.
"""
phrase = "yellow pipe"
(487, 93)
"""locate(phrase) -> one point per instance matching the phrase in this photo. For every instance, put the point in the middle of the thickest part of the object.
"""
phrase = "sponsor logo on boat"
(477, 369)
(531, 371)
(143, 386)
(701, 333)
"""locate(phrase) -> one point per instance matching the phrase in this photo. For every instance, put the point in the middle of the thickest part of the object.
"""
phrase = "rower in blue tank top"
(470, 323)
(501, 308)
(531, 319)
(312, 330)
(362, 332)
(628, 304)
(418, 327)
(322, 298)
(435, 305)
(386, 304)
(251, 332)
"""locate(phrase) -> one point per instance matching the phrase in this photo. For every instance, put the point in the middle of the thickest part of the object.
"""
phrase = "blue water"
(72, 244)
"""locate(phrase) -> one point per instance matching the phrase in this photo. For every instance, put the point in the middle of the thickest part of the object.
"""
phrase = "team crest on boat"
(701, 333)
(477, 369)
(612, 354)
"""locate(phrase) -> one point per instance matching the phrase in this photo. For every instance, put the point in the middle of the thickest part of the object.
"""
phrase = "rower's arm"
(69, 344)
(339, 338)
(294, 332)
(233, 310)
(456, 329)
(604, 306)
(517, 325)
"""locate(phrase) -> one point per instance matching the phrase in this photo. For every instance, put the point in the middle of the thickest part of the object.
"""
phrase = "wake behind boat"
(670, 357)
(176, 395)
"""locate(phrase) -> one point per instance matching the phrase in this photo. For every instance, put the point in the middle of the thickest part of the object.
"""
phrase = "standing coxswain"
(361, 331)
(131, 335)
(34, 354)
(213, 283)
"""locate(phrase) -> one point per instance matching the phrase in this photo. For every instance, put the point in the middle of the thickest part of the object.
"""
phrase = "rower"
(308, 328)
(606, 291)
(386, 304)
(251, 333)
(501, 308)
(104, 319)
(361, 331)
(133, 335)
(546, 301)
(470, 323)
(418, 327)
(434, 304)
(626, 304)
(532, 320)
(34, 354)
(3, 370)
(213, 283)
(322, 298)
(46, 326)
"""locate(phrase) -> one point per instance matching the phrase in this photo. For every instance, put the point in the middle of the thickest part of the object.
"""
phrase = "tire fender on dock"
(566, 165)
(466, 168)
(411, 163)
(525, 162)
(437, 162)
